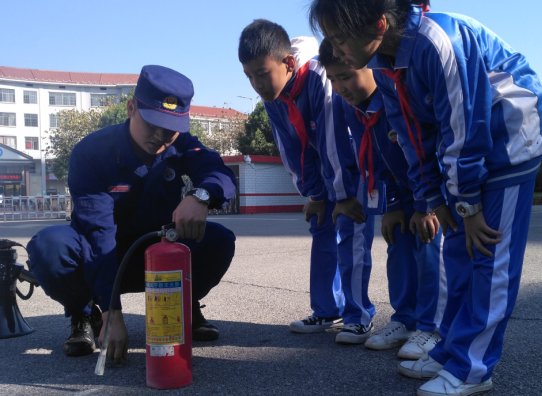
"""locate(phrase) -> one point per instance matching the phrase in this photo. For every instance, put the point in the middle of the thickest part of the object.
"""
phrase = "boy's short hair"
(325, 54)
(263, 38)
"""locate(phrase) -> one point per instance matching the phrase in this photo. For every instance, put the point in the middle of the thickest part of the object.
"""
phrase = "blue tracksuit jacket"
(329, 161)
(477, 101)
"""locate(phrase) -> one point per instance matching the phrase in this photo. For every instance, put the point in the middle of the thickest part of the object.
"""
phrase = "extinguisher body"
(168, 315)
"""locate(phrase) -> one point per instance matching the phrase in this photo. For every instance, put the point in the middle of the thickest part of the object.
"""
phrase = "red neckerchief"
(408, 114)
(366, 146)
(294, 114)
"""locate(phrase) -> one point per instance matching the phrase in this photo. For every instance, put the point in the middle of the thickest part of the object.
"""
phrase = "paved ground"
(266, 288)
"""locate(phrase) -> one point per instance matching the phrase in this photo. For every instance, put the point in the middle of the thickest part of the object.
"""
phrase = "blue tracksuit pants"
(326, 296)
(482, 291)
(413, 270)
(355, 264)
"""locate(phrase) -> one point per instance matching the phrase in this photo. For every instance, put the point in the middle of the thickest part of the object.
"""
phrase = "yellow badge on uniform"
(170, 103)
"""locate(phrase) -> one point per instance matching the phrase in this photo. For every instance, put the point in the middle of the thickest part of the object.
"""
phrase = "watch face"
(203, 194)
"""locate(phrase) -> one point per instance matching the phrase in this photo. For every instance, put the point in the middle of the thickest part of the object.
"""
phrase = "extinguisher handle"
(169, 232)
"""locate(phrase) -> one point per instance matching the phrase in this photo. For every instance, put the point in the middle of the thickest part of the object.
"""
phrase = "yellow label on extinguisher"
(164, 307)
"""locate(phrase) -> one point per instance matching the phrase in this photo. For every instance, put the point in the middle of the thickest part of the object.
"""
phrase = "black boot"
(202, 330)
(83, 329)
(81, 340)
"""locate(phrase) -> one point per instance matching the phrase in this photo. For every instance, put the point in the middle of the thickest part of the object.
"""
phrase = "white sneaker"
(313, 324)
(424, 367)
(418, 344)
(354, 333)
(390, 336)
(446, 384)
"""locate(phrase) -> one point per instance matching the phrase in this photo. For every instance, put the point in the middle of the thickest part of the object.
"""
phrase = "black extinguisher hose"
(100, 365)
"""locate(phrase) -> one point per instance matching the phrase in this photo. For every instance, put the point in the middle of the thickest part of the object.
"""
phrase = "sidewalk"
(265, 288)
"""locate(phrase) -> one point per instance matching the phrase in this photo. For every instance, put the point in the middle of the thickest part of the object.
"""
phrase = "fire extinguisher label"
(164, 308)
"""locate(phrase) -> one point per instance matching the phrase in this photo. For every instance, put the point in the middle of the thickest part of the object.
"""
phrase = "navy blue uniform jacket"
(117, 197)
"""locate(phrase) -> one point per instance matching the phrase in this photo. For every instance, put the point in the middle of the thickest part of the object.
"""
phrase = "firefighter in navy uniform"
(125, 181)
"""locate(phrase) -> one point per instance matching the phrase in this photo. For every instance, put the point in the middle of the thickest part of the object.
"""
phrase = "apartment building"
(29, 102)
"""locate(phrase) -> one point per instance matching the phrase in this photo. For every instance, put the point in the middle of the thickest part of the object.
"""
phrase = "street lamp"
(251, 101)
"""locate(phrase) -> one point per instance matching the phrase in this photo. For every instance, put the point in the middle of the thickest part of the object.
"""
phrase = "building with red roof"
(29, 102)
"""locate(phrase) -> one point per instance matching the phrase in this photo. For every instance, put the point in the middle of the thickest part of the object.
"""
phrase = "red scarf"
(294, 114)
(366, 146)
(408, 114)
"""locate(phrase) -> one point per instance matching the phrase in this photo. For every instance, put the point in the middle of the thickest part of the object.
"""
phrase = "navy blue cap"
(163, 97)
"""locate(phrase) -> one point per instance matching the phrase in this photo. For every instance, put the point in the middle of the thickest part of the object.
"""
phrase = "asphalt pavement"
(265, 288)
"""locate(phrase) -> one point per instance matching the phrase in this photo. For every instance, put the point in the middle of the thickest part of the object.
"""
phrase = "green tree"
(258, 137)
(74, 125)
(115, 113)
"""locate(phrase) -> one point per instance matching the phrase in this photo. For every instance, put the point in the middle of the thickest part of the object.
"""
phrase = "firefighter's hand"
(117, 350)
(391, 220)
(478, 233)
(425, 225)
(190, 218)
(349, 207)
(445, 218)
(315, 208)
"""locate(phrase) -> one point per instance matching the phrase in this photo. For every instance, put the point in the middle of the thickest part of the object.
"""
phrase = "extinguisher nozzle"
(100, 365)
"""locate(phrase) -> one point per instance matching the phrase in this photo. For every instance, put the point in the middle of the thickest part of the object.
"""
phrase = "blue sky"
(197, 38)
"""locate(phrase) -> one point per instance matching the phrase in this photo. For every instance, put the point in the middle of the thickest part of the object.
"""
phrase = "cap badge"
(169, 103)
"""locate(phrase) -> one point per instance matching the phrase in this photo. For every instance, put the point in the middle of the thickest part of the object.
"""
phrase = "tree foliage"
(258, 137)
(74, 125)
(223, 137)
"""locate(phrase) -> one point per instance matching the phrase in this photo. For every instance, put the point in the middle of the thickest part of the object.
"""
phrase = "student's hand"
(117, 350)
(349, 207)
(478, 233)
(445, 218)
(190, 218)
(425, 225)
(315, 208)
(390, 220)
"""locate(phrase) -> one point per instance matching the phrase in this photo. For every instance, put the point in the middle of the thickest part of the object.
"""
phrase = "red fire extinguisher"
(168, 313)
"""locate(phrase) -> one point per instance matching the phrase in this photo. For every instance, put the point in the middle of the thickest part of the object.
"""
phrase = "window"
(53, 120)
(61, 99)
(99, 100)
(10, 141)
(31, 120)
(31, 143)
(7, 119)
(30, 97)
(7, 95)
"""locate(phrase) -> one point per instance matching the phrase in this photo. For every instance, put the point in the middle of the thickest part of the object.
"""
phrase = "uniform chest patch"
(313, 125)
(169, 174)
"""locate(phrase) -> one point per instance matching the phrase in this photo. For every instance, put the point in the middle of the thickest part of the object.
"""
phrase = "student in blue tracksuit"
(462, 101)
(126, 181)
(413, 265)
(298, 99)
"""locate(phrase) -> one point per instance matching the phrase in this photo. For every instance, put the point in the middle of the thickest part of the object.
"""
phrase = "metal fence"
(59, 207)
(31, 208)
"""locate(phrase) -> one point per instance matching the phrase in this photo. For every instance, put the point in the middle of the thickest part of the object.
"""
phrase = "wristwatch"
(201, 194)
(464, 209)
